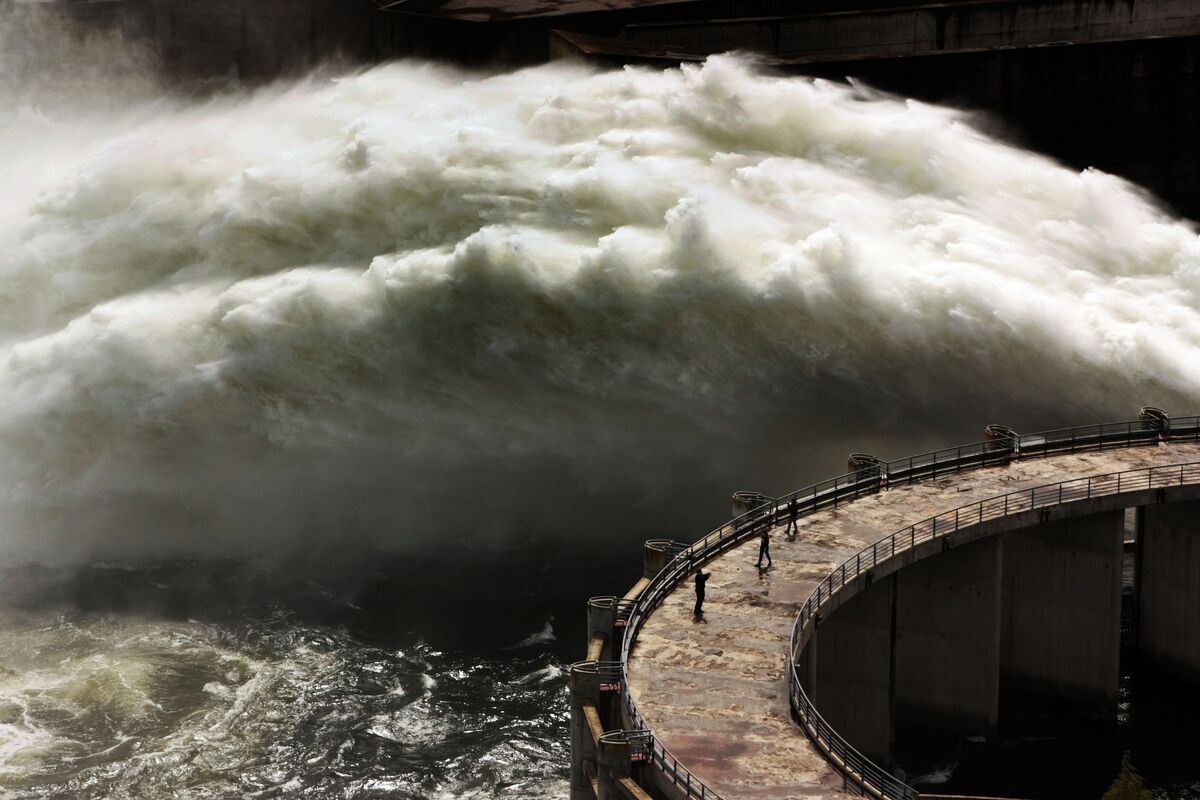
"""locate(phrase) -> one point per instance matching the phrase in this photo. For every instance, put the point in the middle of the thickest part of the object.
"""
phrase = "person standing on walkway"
(793, 527)
(764, 547)
(701, 579)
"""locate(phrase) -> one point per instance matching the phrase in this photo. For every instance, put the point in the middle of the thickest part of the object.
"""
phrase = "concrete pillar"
(948, 640)
(1169, 589)
(612, 764)
(1061, 627)
(849, 670)
(657, 553)
(585, 689)
(743, 502)
(601, 619)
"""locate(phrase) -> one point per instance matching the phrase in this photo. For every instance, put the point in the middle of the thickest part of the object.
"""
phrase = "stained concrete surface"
(714, 691)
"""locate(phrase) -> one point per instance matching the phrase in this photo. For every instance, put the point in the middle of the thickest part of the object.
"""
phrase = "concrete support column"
(849, 670)
(1061, 627)
(656, 554)
(601, 620)
(743, 502)
(585, 694)
(612, 764)
(1169, 589)
(948, 641)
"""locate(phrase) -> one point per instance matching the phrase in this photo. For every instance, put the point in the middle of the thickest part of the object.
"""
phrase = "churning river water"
(326, 404)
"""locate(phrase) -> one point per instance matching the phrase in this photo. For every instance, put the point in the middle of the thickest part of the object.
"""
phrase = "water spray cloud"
(412, 303)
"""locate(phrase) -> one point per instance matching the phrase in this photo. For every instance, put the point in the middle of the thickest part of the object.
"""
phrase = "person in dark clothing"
(793, 527)
(764, 547)
(701, 579)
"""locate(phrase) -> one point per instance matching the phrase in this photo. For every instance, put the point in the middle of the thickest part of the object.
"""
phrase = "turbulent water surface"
(506, 325)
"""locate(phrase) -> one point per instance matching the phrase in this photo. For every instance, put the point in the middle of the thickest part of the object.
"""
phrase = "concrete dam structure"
(919, 594)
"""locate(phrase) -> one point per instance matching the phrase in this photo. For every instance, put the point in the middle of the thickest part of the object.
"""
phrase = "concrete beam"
(948, 641)
(1061, 628)
(850, 671)
(923, 28)
(1169, 589)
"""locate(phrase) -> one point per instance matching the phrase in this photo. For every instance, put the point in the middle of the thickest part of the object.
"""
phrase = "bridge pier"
(1169, 589)
(1061, 627)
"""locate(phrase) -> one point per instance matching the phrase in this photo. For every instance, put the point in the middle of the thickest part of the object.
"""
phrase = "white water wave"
(412, 305)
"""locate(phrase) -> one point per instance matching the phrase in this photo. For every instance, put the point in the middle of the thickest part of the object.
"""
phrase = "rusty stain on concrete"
(714, 691)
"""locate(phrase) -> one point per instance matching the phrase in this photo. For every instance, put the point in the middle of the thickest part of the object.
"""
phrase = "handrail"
(829, 494)
(867, 774)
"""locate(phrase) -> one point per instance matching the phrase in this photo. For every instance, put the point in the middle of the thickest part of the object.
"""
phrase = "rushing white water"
(414, 302)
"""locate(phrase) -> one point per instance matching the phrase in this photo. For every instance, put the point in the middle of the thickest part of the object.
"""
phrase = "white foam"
(413, 303)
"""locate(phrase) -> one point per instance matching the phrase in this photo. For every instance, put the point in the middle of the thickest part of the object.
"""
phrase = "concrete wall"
(850, 671)
(1060, 633)
(1169, 613)
(948, 640)
(918, 28)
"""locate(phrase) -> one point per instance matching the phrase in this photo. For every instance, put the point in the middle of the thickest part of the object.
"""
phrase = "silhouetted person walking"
(764, 547)
(793, 527)
(701, 579)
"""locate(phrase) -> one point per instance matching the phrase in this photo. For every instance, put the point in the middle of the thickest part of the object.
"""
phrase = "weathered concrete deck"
(714, 692)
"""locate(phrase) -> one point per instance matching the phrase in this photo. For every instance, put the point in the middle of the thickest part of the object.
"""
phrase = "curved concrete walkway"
(714, 692)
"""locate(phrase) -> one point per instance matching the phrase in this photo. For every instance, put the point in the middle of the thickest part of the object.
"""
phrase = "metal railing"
(854, 766)
(840, 490)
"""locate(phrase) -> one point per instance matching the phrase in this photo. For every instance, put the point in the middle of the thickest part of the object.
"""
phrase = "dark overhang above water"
(496, 10)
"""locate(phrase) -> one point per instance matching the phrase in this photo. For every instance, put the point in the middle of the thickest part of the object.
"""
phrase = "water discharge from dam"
(499, 322)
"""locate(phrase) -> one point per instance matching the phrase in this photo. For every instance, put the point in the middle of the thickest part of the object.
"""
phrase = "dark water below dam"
(236, 679)
(1044, 756)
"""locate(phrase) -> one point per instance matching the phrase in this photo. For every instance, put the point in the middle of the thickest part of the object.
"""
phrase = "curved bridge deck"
(715, 692)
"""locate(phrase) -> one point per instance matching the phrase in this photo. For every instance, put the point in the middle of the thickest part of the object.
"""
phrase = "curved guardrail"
(1001, 447)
